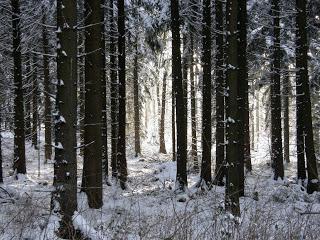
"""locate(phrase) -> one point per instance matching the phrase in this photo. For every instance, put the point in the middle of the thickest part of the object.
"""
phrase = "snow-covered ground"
(151, 210)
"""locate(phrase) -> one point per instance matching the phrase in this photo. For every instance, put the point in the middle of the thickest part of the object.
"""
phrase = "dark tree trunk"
(47, 93)
(244, 86)
(206, 96)
(92, 159)
(65, 165)
(104, 126)
(286, 119)
(163, 111)
(35, 102)
(304, 117)
(114, 93)
(194, 147)
(19, 161)
(27, 97)
(181, 119)
(173, 122)
(136, 104)
(122, 160)
(276, 132)
(220, 98)
(232, 133)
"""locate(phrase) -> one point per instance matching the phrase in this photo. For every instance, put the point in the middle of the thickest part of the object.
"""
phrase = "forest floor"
(150, 209)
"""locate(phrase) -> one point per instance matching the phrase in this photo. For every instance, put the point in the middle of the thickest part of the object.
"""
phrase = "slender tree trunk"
(244, 86)
(92, 161)
(205, 175)
(163, 111)
(114, 93)
(286, 119)
(47, 92)
(137, 146)
(232, 133)
(220, 98)
(303, 100)
(122, 161)
(104, 126)
(65, 165)
(194, 147)
(19, 161)
(27, 94)
(181, 120)
(276, 132)
(35, 102)
(173, 122)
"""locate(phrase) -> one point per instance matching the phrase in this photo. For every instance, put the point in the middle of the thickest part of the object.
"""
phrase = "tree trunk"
(205, 176)
(232, 133)
(114, 93)
(65, 165)
(92, 159)
(27, 94)
(286, 119)
(35, 102)
(137, 146)
(304, 120)
(173, 122)
(47, 92)
(244, 86)
(19, 161)
(276, 132)
(220, 97)
(163, 111)
(122, 161)
(194, 147)
(104, 126)
(181, 119)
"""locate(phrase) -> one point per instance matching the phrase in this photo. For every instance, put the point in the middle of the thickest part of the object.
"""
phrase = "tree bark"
(163, 111)
(276, 132)
(65, 165)
(122, 161)
(136, 104)
(303, 100)
(205, 176)
(220, 97)
(286, 118)
(181, 119)
(114, 93)
(47, 93)
(35, 102)
(232, 133)
(19, 160)
(92, 159)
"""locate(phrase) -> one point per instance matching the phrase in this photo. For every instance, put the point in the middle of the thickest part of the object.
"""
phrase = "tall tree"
(35, 103)
(206, 96)
(163, 112)
(304, 117)
(94, 70)
(232, 131)
(244, 86)
(137, 146)
(19, 161)
(220, 96)
(1, 170)
(286, 117)
(114, 91)
(104, 126)
(276, 132)
(181, 118)
(47, 91)
(65, 165)
(122, 160)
